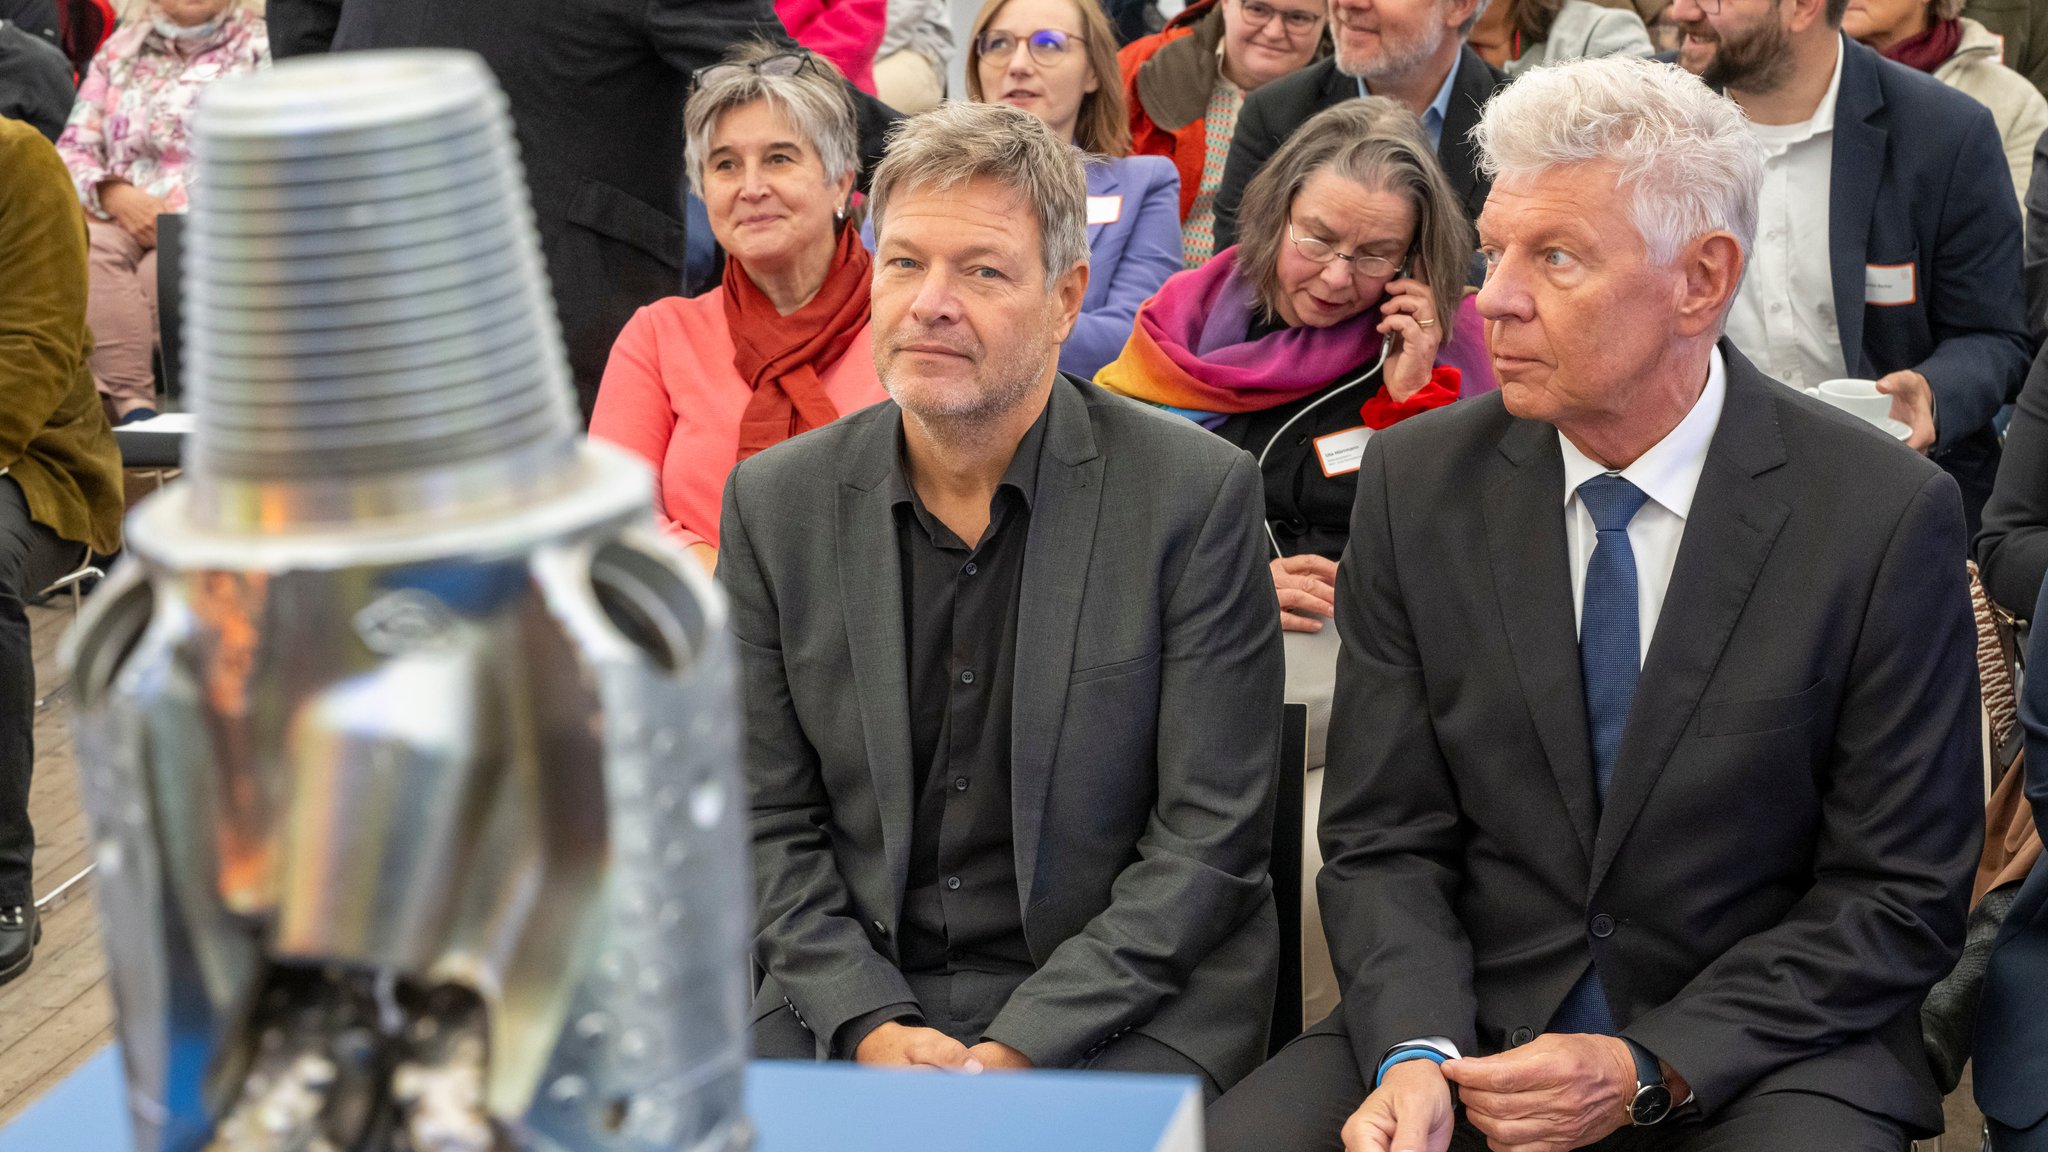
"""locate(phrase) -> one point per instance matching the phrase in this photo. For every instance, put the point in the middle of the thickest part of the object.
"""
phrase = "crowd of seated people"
(1447, 360)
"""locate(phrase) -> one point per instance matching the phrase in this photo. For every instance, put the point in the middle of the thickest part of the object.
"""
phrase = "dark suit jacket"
(597, 90)
(1145, 735)
(2037, 244)
(1271, 114)
(2011, 1057)
(2012, 550)
(1920, 179)
(1780, 870)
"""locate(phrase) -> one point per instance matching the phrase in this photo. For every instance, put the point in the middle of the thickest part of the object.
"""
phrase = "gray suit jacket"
(1147, 716)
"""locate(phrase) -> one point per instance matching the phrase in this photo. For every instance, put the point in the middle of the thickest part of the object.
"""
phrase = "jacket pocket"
(626, 218)
(1768, 714)
(1111, 670)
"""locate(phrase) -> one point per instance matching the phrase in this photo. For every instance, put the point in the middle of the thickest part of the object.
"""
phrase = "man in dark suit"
(1653, 804)
(2037, 244)
(2010, 1061)
(597, 90)
(1013, 670)
(1888, 243)
(1412, 51)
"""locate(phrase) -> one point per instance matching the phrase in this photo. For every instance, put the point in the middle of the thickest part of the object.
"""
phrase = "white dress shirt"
(1668, 474)
(1783, 319)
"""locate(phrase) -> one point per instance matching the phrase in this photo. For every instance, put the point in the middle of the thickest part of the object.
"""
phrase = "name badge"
(1104, 209)
(1340, 452)
(1889, 285)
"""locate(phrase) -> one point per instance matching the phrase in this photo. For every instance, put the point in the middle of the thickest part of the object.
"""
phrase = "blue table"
(800, 1108)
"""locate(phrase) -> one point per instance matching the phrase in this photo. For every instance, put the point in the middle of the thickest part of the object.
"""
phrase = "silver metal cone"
(338, 203)
(410, 745)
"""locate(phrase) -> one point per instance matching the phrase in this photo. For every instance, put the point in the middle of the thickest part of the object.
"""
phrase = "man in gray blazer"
(1013, 672)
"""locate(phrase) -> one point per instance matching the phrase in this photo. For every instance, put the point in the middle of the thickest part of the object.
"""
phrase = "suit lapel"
(1532, 579)
(1473, 86)
(1728, 535)
(1102, 181)
(1859, 148)
(872, 592)
(1063, 514)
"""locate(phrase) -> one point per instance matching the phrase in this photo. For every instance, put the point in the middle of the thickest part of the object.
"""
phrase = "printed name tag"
(1888, 284)
(1341, 451)
(1105, 209)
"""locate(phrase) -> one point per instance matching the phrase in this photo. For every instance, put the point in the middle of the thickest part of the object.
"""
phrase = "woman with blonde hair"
(1056, 59)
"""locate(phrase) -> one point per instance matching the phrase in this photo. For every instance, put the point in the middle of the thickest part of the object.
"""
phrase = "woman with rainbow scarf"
(1342, 313)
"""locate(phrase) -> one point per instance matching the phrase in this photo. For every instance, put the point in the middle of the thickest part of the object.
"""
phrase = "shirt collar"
(1669, 472)
(1021, 476)
(1433, 116)
(1821, 123)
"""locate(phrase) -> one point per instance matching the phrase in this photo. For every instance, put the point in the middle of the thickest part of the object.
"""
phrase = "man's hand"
(133, 209)
(1409, 1112)
(1912, 405)
(896, 1045)
(1308, 591)
(1554, 1094)
(997, 1055)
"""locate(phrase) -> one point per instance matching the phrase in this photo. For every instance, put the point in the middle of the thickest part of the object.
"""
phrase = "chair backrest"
(170, 259)
(1286, 870)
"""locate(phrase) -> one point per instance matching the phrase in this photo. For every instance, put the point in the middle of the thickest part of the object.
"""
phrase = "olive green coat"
(54, 439)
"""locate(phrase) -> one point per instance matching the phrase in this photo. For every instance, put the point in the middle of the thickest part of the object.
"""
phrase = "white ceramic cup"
(1858, 398)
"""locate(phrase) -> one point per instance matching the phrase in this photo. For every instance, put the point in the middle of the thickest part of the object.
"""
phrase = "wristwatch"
(1652, 1101)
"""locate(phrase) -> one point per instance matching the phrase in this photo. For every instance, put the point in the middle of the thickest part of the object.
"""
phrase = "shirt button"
(1521, 1036)
(1778, 307)
(970, 569)
(953, 882)
(959, 783)
(1603, 926)
(967, 676)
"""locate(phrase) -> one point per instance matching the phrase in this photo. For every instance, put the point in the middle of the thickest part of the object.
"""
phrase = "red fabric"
(778, 355)
(1930, 49)
(1382, 411)
(672, 397)
(846, 32)
(1185, 147)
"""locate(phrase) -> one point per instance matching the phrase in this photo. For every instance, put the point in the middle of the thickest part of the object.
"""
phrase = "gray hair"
(1374, 143)
(1685, 152)
(814, 101)
(960, 141)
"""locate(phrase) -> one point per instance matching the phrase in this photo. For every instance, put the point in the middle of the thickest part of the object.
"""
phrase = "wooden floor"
(60, 1013)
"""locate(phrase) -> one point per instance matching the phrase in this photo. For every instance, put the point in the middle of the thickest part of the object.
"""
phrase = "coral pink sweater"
(846, 32)
(671, 396)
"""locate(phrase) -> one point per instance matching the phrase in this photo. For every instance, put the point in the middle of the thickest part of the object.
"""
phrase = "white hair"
(1685, 152)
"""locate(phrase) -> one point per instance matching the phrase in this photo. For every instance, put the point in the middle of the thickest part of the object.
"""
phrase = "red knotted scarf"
(1930, 49)
(779, 356)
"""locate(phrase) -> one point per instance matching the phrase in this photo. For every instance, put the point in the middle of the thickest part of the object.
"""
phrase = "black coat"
(1271, 114)
(1782, 864)
(597, 90)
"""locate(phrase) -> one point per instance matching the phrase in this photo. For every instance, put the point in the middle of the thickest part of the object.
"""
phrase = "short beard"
(1394, 60)
(966, 419)
(1758, 61)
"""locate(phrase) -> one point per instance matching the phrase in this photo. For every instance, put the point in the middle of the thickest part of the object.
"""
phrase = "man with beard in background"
(1888, 244)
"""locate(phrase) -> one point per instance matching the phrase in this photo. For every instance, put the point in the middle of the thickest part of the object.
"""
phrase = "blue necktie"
(1610, 655)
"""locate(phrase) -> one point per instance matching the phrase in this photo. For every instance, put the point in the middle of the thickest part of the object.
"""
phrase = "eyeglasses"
(1048, 46)
(1321, 252)
(1261, 14)
(780, 66)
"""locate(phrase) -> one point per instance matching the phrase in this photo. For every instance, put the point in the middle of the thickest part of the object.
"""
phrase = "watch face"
(1652, 1103)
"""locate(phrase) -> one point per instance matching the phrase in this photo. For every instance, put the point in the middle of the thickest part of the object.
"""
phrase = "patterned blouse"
(1219, 122)
(133, 118)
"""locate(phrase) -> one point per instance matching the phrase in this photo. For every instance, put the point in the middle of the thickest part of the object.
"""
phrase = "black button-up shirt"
(960, 907)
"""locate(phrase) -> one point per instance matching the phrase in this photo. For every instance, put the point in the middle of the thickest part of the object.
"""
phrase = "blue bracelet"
(1403, 1056)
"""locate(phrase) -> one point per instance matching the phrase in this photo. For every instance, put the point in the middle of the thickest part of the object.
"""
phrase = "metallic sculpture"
(410, 746)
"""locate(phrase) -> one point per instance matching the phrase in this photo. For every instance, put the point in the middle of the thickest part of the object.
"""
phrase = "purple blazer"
(1130, 255)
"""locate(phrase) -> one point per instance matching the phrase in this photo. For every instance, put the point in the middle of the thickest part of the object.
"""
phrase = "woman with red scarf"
(1933, 36)
(782, 346)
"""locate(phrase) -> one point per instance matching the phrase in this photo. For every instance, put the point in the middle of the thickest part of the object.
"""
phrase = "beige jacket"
(2020, 110)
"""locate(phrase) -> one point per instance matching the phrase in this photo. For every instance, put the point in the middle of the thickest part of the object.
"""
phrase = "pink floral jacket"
(134, 113)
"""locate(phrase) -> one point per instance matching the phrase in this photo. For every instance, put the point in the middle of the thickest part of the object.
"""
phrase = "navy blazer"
(1129, 255)
(1920, 179)
(2011, 1056)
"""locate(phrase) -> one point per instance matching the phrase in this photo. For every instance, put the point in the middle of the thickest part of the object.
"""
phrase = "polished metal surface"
(409, 743)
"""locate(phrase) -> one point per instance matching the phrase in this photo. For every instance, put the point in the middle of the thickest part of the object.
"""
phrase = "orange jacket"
(1185, 145)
